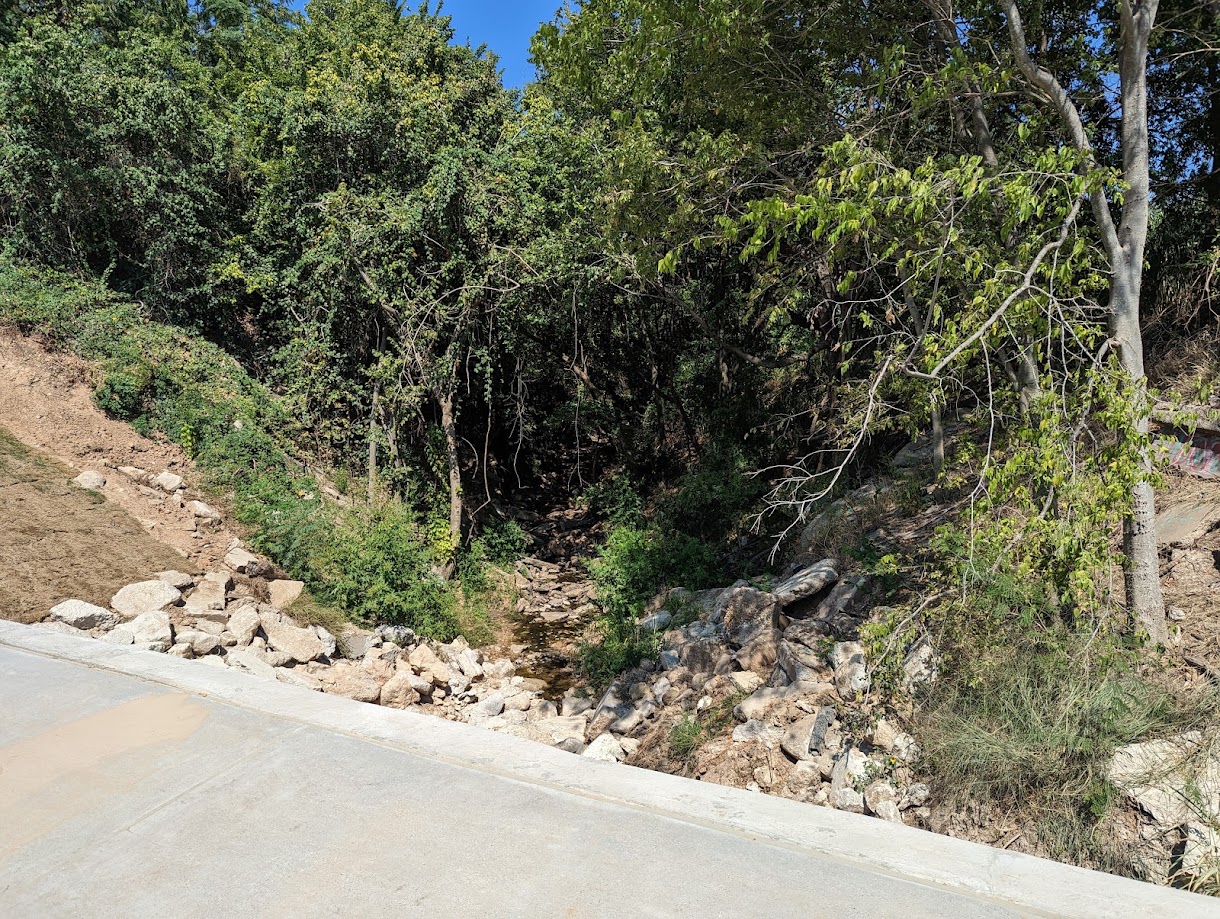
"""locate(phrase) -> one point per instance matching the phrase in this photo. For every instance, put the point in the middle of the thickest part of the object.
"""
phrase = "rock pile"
(787, 666)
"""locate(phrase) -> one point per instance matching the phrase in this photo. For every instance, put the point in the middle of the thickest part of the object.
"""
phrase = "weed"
(686, 737)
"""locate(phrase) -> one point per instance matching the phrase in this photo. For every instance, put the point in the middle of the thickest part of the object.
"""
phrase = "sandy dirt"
(58, 541)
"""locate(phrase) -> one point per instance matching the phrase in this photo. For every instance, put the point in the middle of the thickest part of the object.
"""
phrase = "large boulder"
(345, 679)
(244, 622)
(807, 583)
(285, 635)
(82, 615)
(424, 661)
(152, 631)
(398, 692)
(144, 597)
(210, 594)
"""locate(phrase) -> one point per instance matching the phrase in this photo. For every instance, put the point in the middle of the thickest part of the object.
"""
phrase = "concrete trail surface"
(137, 785)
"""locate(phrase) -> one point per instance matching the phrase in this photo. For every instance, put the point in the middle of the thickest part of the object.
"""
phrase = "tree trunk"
(449, 426)
(1124, 247)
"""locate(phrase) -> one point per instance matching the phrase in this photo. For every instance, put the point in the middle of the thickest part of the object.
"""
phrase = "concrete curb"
(1032, 885)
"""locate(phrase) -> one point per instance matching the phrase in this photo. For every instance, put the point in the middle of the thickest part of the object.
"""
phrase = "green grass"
(686, 737)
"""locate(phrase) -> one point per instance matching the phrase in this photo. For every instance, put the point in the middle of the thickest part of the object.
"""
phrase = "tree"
(1124, 242)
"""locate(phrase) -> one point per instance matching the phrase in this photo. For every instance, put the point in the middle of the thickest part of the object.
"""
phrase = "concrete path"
(137, 785)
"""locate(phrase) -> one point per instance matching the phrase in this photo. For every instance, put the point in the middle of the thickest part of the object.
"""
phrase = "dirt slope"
(59, 541)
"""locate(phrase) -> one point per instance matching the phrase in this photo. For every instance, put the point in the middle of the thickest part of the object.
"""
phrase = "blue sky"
(505, 26)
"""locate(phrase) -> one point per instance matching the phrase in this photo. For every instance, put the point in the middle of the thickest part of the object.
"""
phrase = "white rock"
(285, 593)
(851, 673)
(152, 631)
(244, 623)
(398, 692)
(329, 645)
(203, 511)
(251, 662)
(209, 595)
(145, 597)
(179, 579)
(168, 482)
(120, 636)
(881, 799)
(755, 730)
(243, 561)
(82, 615)
(605, 748)
(285, 635)
(94, 481)
(919, 668)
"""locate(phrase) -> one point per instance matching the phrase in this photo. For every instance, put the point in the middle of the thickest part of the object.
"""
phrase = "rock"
(850, 767)
(181, 650)
(758, 651)
(806, 738)
(64, 629)
(754, 730)
(609, 710)
(543, 709)
(851, 673)
(748, 613)
(699, 655)
(285, 635)
(634, 717)
(842, 612)
(135, 473)
(881, 799)
(1175, 781)
(251, 662)
(203, 511)
(201, 643)
(344, 679)
(468, 663)
(398, 634)
(657, 622)
(745, 681)
(398, 692)
(800, 664)
(559, 729)
(144, 597)
(210, 594)
(500, 669)
(94, 481)
(571, 745)
(418, 683)
(519, 702)
(355, 642)
(278, 658)
(285, 593)
(488, 708)
(605, 748)
(82, 615)
(763, 700)
(120, 636)
(847, 799)
(179, 579)
(297, 677)
(167, 482)
(919, 667)
(425, 662)
(1201, 848)
(243, 561)
(329, 644)
(668, 660)
(244, 624)
(572, 705)
(807, 582)
(916, 795)
(152, 630)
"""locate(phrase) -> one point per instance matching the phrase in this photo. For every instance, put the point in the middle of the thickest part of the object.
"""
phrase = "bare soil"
(59, 541)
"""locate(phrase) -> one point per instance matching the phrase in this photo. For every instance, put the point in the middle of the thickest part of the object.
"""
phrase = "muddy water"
(551, 651)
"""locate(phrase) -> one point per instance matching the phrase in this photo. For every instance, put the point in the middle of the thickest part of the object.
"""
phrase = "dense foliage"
(712, 238)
